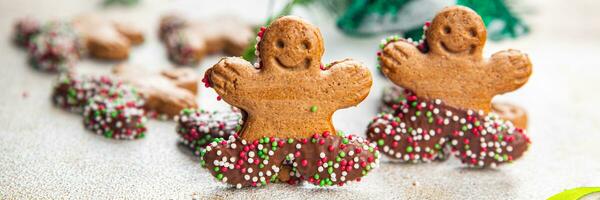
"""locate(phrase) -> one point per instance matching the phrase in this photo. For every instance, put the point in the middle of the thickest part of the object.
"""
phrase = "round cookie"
(117, 118)
(72, 92)
(197, 128)
(287, 131)
(25, 29)
(55, 49)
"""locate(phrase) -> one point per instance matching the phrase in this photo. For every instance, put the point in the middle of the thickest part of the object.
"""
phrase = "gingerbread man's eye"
(280, 44)
(473, 32)
(447, 30)
(306, 45)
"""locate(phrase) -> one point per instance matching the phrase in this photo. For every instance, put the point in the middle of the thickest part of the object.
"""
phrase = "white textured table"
(46, 153)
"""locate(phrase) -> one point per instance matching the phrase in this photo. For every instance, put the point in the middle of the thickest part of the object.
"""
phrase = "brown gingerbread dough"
(454, 70)
(289, 96)
(166, 92)
(105, 39)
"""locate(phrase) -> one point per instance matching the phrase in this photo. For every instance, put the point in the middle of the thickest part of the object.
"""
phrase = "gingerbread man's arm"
(401, 63)
(232, 78)
(510, 70)
(349, 80)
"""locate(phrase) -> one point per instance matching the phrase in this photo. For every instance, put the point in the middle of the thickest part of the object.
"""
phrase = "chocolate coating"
(197, 128)
(25, 29)
(72, 92)
(323, 160)
(420, 129)
(56, 48)
(115, 118)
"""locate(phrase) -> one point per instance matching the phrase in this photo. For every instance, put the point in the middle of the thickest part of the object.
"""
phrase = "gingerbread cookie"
(116, 118)
(188, 42)
(449, 91)
(197, 128)
(393, 96)
(55, 48)
(455, 41)
(72, 92)
(166, 95)
(289, 101)
(105, 39)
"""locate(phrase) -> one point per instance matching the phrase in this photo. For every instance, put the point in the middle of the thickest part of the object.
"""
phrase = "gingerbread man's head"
(292, 44)
(457, 32)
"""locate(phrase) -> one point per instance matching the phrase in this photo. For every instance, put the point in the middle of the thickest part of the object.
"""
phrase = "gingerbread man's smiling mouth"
(295, 66)
(470, 50)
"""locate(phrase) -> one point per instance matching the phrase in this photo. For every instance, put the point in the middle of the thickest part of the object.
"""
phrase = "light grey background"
(46, 153)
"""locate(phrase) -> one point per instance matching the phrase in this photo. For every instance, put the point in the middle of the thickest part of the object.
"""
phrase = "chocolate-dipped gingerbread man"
(289, 96)
(289, 100)
(449, 93)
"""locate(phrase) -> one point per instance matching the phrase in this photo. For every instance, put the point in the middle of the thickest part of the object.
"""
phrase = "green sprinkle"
(428, 114)
(409, 149)
(219, 176)
(313, 109)
(216, 169)
(380, 142)
(72, 92)
(261, 166)
(290, 140)
(330, 170)
(464, 128)
(316, 176)
(438, 146)
(418, 113)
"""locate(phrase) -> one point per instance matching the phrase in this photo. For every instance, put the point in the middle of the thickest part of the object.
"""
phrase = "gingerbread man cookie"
(106, 39)
(289, 101)
(297, 96)
(188, 42)
(456, 39)
(164, 94)
(448, 98)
